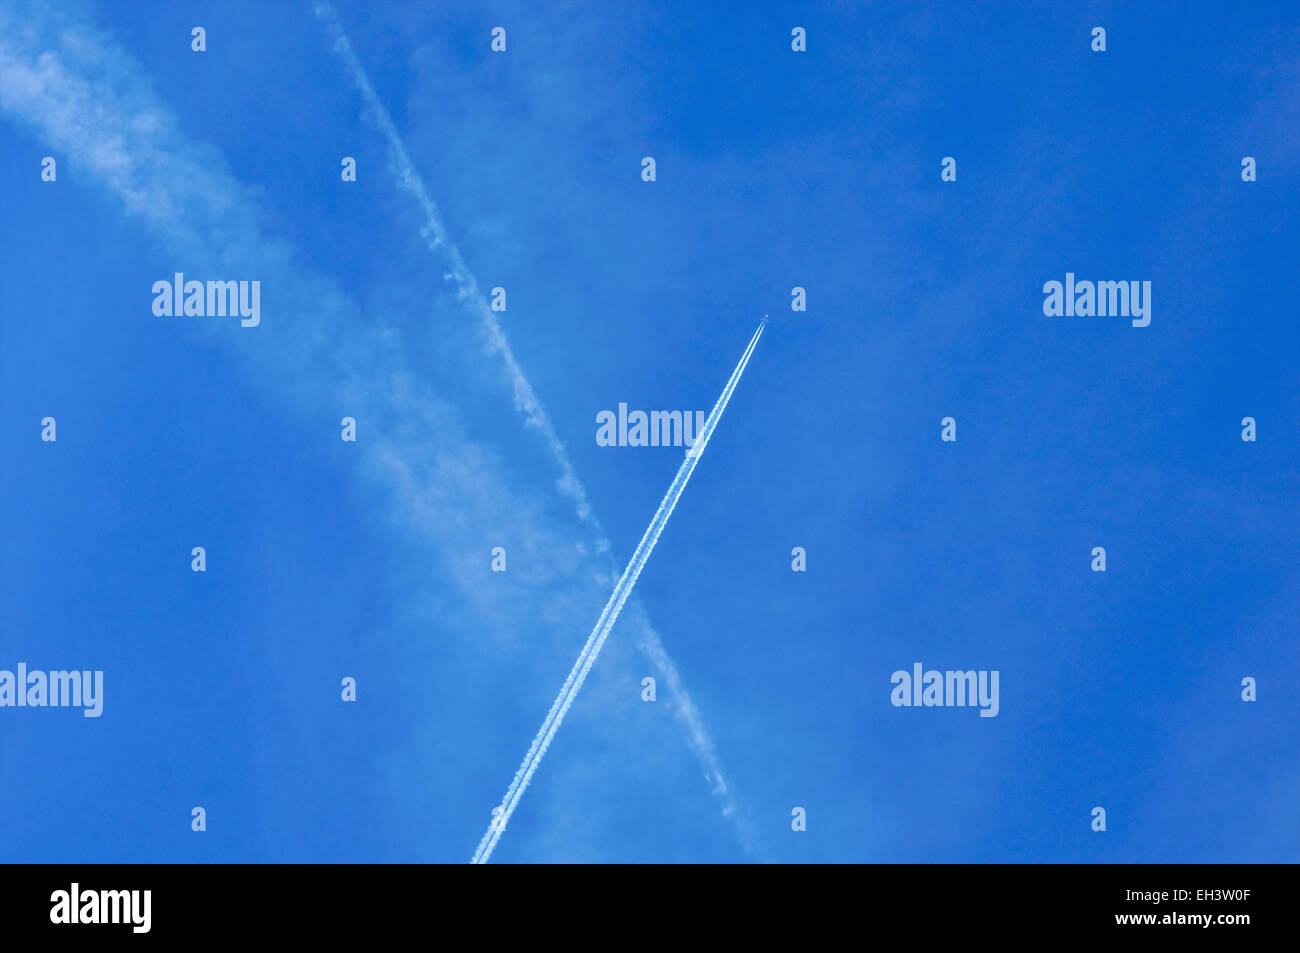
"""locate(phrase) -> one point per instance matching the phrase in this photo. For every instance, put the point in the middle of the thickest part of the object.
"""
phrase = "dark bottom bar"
(1224, 903)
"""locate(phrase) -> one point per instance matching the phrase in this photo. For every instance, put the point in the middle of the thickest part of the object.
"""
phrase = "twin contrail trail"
(587, 657)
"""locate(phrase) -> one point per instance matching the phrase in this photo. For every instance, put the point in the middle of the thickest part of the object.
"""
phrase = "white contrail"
(435, 236)
(609, 616)
(526, 401)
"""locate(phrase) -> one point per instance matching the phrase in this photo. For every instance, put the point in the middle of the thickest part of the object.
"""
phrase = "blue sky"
(774, 169)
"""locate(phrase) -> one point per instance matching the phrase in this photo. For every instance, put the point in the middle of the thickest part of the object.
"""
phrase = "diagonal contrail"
(609, 616)
(528, 403)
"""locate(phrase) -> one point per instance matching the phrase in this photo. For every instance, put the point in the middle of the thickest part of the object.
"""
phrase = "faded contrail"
(526, 401)
(609, 616)
(435, 236)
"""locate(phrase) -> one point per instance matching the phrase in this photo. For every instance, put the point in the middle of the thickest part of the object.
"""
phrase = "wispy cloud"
(87, 99)
(84, 96)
